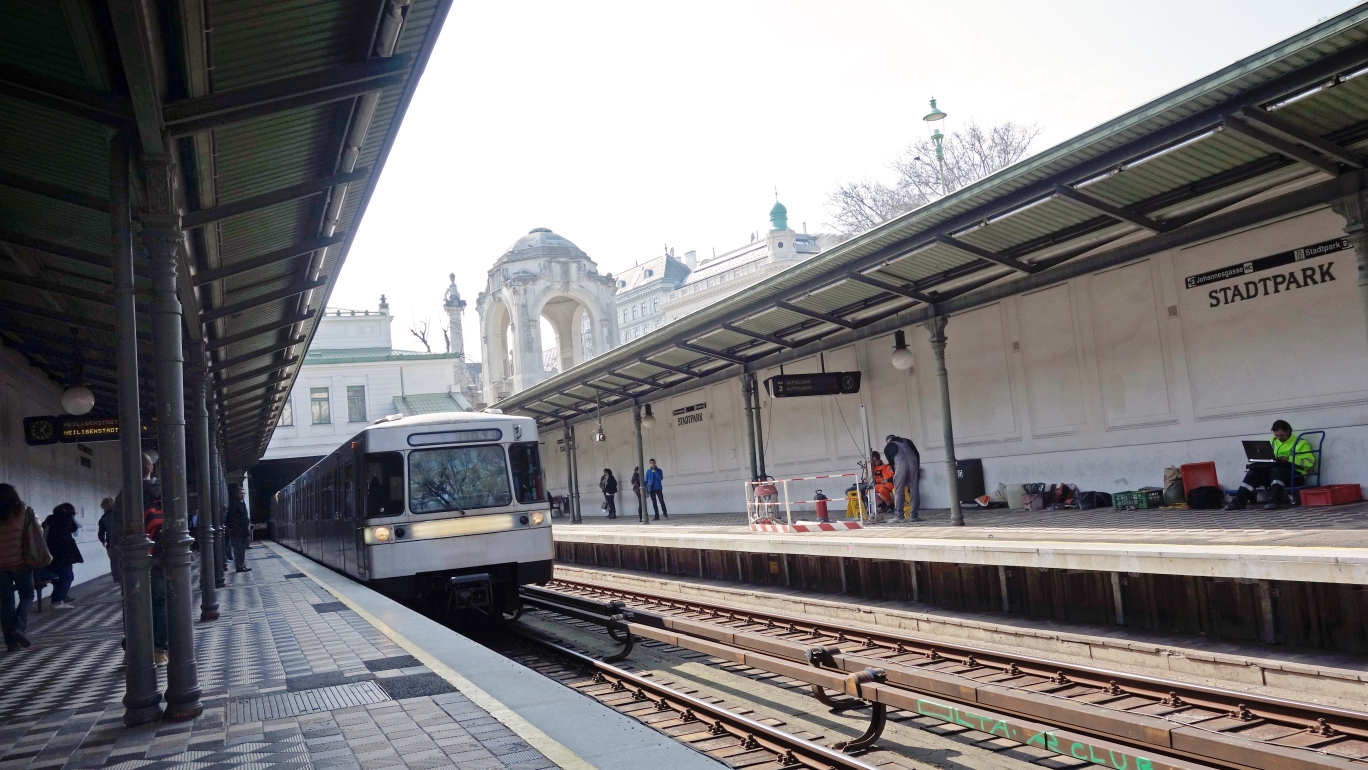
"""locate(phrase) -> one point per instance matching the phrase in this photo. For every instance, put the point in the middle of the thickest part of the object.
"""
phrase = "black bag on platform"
(1089, 500)
(1206, 498)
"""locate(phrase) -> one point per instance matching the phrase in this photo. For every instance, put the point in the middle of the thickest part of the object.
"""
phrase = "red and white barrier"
(804, 526)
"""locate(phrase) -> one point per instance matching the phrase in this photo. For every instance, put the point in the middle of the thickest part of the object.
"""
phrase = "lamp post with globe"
(933, 119)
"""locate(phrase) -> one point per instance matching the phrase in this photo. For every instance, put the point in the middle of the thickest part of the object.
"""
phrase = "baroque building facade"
(542, 275)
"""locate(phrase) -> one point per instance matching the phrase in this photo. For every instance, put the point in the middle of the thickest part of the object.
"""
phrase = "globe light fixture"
(78, 400)
(902, 357)
(648, 420)
(152, 456)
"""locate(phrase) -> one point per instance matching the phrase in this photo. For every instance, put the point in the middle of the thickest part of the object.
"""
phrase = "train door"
(345, 540)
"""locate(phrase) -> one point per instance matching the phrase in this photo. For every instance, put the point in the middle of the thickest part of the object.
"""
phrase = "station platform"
(306, 668)
(1303, 544)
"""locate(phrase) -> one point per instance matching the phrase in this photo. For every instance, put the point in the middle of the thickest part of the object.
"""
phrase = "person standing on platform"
(609, 486)
(60, 530)
(239, 526)
(655, 487)
(107, 533)
(636, 490)
(906, 461)
(1292, 458)
(16, 574)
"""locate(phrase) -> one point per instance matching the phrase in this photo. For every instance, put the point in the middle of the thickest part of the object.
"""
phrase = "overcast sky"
(629, 126)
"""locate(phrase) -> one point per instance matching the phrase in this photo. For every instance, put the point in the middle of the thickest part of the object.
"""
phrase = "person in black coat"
(609, 485)
(60, 530)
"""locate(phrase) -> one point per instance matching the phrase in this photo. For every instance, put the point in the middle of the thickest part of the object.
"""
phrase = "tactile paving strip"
(293, 704)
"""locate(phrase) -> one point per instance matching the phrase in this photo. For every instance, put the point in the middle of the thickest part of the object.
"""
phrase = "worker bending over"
(1292, 456)
(906, 461)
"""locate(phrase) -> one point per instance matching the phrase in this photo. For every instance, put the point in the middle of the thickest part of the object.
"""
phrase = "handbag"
(33, 546)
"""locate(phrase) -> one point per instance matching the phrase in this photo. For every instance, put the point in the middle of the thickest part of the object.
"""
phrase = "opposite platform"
(306, 669)
(1319, 545)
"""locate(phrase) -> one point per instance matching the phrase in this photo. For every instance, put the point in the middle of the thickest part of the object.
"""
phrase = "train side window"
(384, 484)
(525, 458)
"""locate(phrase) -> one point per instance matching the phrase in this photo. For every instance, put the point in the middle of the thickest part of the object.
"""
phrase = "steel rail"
(726, 736)
(1284, 733)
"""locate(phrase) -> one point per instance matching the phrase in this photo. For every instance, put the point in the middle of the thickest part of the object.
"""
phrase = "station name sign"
(822, 384)
(1274, 283)
(62, 429)
(690, 414)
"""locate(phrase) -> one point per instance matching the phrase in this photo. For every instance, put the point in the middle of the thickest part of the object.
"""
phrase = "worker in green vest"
(1292, 458)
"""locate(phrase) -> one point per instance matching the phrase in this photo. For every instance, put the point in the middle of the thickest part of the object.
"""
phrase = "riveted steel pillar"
(163, 237)
(759, 428)
(215, 491)
(572, 446)
(142, 699)
(748, 397)
(641, 464)
(937, 328)
(199, 422)
(1354, 209)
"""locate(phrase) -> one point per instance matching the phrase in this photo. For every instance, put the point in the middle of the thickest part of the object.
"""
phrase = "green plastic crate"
(1140, 499)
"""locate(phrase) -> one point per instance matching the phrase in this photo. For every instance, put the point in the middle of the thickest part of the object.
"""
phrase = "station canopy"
(1189, 166)
(279, 116)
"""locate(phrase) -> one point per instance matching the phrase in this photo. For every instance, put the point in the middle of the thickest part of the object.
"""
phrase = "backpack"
(152, 524)
(33, 544)
(1206, 498)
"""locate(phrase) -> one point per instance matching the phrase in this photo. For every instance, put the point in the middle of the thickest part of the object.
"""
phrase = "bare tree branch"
(971, 154)
(419, 329)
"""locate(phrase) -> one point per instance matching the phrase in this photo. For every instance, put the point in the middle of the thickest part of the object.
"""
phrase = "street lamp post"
(933, 120)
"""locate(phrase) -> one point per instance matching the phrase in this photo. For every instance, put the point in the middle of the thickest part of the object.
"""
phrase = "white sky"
(628, 126)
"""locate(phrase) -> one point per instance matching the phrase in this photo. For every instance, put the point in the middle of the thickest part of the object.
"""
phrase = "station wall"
(1101, 381)
(80, 474)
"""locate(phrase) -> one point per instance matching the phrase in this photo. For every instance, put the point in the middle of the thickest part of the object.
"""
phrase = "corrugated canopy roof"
(1182, 168)
(279, 116)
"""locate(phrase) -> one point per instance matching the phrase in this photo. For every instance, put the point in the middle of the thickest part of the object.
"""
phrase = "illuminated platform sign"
(821, 384)
(51, 429)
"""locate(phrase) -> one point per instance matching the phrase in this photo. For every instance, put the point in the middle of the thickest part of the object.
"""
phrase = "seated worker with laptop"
(1272, 465)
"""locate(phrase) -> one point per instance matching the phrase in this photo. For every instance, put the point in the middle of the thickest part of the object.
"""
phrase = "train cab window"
(384, 484)
(458, 478)
(527, 472)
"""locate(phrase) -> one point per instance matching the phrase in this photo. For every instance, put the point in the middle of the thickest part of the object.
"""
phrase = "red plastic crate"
(1331, 494)
(1199, 475)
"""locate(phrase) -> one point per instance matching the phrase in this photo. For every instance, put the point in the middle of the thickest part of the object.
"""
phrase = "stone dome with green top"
(778, 217)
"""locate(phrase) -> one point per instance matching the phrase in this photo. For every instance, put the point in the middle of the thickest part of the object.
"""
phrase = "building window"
(655, 305)
(286, 415)
(624, 316)
(356, 403)
(318, 405)
(634, 311)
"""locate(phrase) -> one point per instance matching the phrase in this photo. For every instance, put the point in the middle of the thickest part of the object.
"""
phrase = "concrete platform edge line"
(548, 746)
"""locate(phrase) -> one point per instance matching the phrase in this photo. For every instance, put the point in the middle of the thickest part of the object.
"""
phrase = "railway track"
(1111, 718)
(716, 731)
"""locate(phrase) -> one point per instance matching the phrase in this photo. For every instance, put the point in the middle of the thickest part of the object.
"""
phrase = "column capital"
(159, 192)
(936, 327)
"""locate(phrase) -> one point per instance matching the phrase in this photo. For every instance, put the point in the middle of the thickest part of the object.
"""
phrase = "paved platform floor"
(1339, 525)
(278, 670)
(1312, 544)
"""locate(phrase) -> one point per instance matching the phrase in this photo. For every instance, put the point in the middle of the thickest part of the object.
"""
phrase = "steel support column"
(1353, 209)
(748, 398)
(937, 328)
(142, 699)
(572, 447)
(216, 495)
(199, 415)
(163, 237)
(759, 429)
(641, 463)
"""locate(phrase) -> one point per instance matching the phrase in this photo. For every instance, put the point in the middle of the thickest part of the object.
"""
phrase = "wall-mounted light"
(648, 420)
(902, 357)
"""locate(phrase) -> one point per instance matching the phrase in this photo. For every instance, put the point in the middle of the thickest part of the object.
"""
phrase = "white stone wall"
(48, 475)
(1102, 381)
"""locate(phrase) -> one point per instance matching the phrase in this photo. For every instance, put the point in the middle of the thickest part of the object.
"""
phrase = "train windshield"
(458, 479)
(384, 484)
(527, 472)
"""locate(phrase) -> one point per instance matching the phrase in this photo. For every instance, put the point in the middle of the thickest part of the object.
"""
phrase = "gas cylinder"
(820, 500)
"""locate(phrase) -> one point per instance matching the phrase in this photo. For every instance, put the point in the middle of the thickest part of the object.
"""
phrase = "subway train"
(438, 509)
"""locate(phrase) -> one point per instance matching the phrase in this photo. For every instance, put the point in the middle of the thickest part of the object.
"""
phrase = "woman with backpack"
(60, 531)
(18, 533)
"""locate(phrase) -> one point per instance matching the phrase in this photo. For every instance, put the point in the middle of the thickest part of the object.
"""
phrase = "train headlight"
(537, 518)
(380, 535)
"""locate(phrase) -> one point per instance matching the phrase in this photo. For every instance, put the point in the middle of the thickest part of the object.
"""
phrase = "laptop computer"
(1259, 452)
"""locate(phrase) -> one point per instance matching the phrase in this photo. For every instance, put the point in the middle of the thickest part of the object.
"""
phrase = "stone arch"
(500, 363)
(568, 310)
